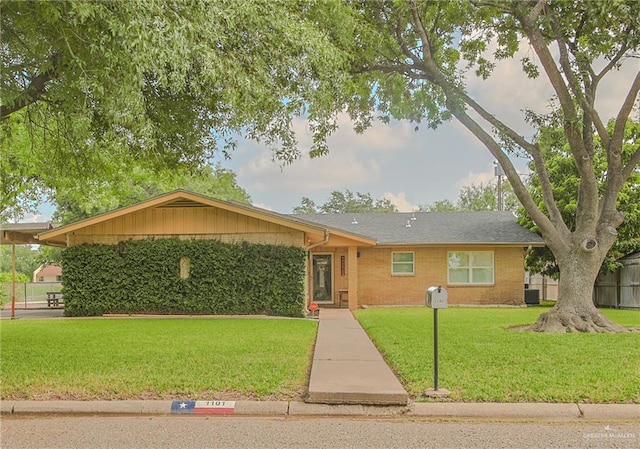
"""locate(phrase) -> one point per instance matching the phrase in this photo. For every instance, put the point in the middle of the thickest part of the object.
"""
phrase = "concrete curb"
(607, 412)
(435, 410)
(492, 410)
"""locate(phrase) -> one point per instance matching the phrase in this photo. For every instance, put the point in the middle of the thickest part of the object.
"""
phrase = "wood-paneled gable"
(174, 220)
(189, 222)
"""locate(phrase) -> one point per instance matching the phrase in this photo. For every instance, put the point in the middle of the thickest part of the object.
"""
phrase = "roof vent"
(408, 225)
(413, 216)
(354, 221)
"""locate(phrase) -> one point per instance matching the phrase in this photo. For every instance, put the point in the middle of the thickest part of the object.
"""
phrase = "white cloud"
(340, 168)
(475, 179)
(401, 202)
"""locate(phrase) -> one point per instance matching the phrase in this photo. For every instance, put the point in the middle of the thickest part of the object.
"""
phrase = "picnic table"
(54, 299)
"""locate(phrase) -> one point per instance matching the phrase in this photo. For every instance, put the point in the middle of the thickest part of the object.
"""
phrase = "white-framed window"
(402, 263)
(470, 267)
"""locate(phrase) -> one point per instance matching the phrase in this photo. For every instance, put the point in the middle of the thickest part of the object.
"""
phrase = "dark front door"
(322, 278)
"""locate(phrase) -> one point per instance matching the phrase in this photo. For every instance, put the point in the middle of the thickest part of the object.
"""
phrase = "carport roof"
(23, 233)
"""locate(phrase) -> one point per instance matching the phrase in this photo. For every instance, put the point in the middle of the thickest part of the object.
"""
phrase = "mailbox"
(436, 298)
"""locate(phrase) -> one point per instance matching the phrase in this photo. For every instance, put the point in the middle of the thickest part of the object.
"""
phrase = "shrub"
(144, 276)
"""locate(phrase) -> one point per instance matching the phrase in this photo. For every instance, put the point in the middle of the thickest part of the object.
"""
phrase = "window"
(402, 264)
(470, 267)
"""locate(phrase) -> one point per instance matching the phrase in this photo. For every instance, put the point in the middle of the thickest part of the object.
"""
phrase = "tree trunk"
(575, 311)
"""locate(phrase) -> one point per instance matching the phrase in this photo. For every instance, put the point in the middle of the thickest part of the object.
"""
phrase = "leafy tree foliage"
(477, 197)
(6, 278)
(412, 59)
(346, 202)
(565, 180)
(91, 89)
(139, 185)
(27, 260)
(439, 206)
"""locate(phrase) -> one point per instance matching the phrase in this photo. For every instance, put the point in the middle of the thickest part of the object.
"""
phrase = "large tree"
(413, 58)
(89, 88)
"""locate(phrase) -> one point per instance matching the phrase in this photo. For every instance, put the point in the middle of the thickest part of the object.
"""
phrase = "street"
(326, 433)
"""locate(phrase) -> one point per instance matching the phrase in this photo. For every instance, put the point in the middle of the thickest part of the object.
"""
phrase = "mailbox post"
(436, 298)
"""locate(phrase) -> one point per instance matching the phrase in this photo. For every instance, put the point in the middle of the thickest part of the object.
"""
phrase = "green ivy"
(143, 276)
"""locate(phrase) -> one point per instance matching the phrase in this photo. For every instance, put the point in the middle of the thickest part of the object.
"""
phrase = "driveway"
(33, 313)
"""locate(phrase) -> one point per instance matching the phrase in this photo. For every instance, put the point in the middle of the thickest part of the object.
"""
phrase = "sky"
(410, 168)
(394, 161)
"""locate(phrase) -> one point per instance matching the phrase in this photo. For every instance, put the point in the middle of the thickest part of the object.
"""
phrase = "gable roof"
(48, 270)
(183, 198)
(499, 228)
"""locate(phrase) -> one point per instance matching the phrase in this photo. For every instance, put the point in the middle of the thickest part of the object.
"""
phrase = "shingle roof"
(431, 227)
(50, 270)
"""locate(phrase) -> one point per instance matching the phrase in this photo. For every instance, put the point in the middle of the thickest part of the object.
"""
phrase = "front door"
(322, 278)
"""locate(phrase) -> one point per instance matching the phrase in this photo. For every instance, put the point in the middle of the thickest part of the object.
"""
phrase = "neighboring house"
(354, 259)
(48, 273)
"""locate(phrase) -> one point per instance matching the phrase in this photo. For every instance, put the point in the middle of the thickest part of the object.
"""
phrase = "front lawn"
(481, 360)
(150, 358)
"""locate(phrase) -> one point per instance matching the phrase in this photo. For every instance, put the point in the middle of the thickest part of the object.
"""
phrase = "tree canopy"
(345, 202)
(138, 185)
(27, 260)
(88, 89)
(478, 197)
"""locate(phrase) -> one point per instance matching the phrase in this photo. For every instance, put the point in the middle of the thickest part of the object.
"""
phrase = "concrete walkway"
(347, 368)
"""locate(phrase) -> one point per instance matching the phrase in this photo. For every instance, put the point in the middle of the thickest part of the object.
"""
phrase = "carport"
(20, 234)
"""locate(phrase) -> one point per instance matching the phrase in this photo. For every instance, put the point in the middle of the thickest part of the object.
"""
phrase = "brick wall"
(377, 286)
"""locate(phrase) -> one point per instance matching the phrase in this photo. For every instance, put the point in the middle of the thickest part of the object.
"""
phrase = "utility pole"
(499, 173)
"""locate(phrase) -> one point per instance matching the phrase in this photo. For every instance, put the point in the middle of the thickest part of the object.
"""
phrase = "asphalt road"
(323, 433)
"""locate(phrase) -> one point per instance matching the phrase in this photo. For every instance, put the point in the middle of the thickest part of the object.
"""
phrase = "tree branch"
(547, 190)
(632, 165)
(403, 45)
(548, 227)
(427, 58)
(32, 93)
(555, 77)
(491, 119)
(625, 109)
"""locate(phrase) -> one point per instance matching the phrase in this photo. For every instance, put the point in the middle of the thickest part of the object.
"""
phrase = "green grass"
(155, 358)
(481, 360)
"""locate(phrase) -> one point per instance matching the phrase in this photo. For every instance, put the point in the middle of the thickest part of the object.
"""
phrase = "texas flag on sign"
(203, 407)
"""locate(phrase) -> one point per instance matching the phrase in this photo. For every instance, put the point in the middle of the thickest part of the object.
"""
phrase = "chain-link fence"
(29, 294)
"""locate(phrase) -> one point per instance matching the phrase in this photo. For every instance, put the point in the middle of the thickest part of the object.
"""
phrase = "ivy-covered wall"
(145, 276)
